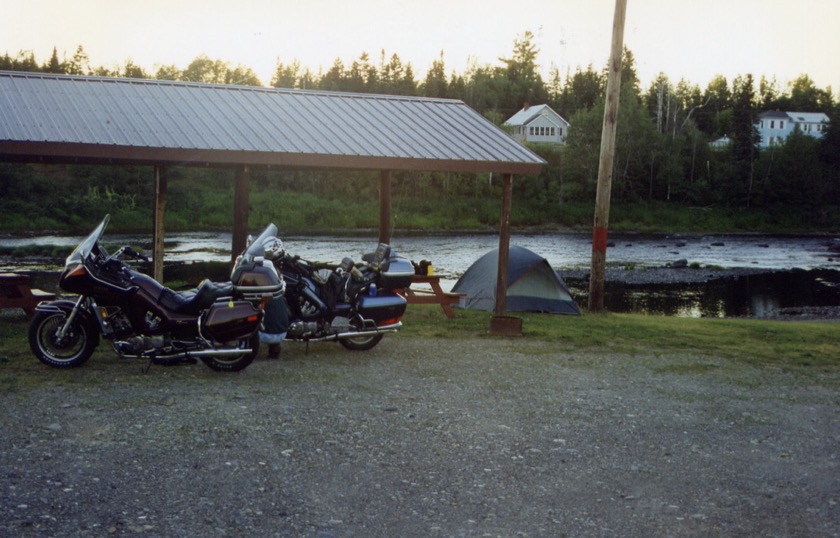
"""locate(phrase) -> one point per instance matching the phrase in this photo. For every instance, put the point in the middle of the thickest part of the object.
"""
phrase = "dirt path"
(425, 438)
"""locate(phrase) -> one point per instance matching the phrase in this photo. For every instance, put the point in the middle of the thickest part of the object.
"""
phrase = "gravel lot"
(419, 437)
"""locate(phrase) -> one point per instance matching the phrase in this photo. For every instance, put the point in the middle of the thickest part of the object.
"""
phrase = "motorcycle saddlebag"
(382, 307)
(396, 273)
(228, 321)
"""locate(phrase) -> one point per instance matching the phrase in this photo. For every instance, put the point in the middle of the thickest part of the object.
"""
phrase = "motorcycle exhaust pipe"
(217, 353)
(392, 328)
(189, 354)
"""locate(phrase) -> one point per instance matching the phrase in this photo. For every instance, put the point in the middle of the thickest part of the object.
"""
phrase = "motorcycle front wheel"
(361, 343)
(249, 346)
(69, 351)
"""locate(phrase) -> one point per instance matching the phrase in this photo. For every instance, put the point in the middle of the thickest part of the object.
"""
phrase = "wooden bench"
(435, 295)
(16, 293)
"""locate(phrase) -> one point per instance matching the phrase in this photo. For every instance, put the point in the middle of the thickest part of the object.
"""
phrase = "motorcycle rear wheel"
(71, 351)
(361, 343)
(250, 347)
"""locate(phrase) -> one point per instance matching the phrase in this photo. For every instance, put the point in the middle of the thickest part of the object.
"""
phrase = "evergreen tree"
(333, 80)
(285, 76)
(435, 85)
(581, 91)
(745, 140)
(522, 81)
(830, 141)
(54, 65)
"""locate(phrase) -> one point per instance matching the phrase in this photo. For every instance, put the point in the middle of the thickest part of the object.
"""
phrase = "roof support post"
(240, 212)
(501, 325)
(385, 206)
(504, 246)
(161, 180)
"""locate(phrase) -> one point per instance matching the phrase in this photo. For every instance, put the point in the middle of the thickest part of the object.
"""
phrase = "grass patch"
(755, 342)
(789, 346)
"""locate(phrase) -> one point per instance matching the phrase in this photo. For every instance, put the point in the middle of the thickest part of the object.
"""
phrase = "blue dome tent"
(532, 285)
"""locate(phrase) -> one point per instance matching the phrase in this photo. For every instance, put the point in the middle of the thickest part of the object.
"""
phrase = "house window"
(772, 124)
(781, 124)
(531, 131)
(552, 131)
(561, 131)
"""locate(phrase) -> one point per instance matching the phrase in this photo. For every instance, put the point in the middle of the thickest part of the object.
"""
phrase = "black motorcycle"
(142, 318)
(355, 304)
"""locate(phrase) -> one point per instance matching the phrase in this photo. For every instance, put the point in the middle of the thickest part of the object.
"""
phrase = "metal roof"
(525, 115)
(52, 118)
(529, 114)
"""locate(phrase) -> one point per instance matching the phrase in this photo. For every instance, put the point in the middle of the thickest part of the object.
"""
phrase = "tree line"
(663, 155)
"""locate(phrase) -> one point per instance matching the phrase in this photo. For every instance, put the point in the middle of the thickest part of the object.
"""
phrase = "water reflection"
(760, 295)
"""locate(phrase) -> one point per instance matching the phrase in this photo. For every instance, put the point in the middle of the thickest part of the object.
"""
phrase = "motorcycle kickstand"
(148, 367)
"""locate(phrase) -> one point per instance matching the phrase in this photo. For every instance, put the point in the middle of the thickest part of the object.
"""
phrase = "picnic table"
(432, 295)
(16, 293)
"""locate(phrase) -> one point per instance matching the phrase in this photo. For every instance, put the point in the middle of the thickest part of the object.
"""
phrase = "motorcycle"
(143, 319)
(355, 304)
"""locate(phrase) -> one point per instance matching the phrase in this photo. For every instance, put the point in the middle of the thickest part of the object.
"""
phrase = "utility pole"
(602, 196)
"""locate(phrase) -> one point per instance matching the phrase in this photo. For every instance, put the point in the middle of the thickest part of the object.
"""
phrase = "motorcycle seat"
(197, 299)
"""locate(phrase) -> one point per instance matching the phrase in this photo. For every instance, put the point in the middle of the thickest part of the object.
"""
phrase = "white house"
(538, 123)
(721, 143)
(774, 126)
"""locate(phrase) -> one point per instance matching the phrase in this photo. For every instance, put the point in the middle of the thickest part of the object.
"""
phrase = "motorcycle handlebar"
(128, 251)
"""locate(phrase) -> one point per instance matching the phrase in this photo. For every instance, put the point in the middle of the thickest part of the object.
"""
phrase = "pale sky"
(691, 39)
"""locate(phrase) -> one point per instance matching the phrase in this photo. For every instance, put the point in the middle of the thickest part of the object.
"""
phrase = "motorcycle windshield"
(256, 247)
(81, 252)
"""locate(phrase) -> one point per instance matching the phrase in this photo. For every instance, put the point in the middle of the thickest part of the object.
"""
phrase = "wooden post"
(501, 325)
(504, 246)
(161, 180)
(602, 197)
(385, 206)
(240, 212)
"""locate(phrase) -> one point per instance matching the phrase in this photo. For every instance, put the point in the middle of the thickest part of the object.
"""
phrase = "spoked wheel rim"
(64, 349)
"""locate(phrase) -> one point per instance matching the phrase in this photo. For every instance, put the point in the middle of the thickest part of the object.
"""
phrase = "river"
(451, 255)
